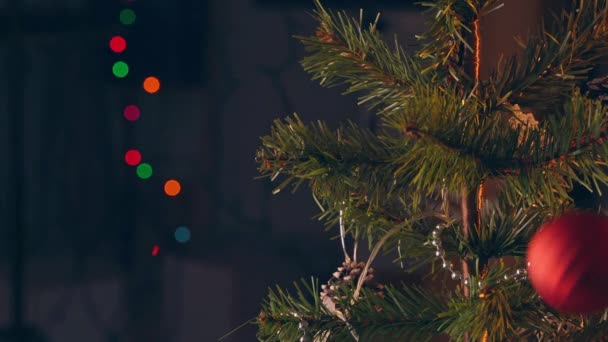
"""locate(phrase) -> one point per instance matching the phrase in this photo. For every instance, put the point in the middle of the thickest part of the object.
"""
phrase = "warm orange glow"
(480, 197)
(477, 71)
(479, 206)
(151, 84)
(172, 188)
(477, 49)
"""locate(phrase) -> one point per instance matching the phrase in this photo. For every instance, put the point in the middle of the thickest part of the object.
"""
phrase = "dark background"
(77, 226)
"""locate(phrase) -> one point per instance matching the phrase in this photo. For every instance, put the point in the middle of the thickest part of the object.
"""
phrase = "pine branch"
(355, 170)
(445, 37)
(538, 164)
(416, 218)
(356, 166)
(505, 232)
(437, 132)
(496, 149)
(445, 140)
(449, 139)
(310, 151)
(372, 222)
(282, 313)
(568, 149)
(349, 169)
(554, 62)
(513, 311)
(343, 52)
(413, 246)
(408, 312)
(507, 310)
(502, 309)
(446, 41)
(595, 329)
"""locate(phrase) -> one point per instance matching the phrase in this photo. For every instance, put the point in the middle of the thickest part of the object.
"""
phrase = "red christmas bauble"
(568, 263)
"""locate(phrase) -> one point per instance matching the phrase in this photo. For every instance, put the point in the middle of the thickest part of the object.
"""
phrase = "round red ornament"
(568, 263)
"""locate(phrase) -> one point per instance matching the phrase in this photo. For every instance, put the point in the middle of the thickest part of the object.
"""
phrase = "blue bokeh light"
(182, 234)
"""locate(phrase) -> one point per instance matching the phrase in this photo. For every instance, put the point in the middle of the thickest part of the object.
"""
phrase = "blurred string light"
(133, 157)
(182, 234)
(118, 44)
(172, 188)
(127, 16)
(120, 69)
(151, 84)
(131, 113)
(144, 171)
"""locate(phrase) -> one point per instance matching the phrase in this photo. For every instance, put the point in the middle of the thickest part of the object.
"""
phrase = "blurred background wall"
(78, 226)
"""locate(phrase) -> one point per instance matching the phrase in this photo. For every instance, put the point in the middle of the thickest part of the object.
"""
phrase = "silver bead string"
(343, 236)
(440, 252)
(399, 252)
(303, 327)
(520, 274)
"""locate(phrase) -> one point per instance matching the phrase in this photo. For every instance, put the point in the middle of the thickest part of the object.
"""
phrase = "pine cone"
(348, 275)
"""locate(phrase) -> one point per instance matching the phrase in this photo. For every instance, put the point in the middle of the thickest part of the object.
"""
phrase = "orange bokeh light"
(151, 84)
(172, 187)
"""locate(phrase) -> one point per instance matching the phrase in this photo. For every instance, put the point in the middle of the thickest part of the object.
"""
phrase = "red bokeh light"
(133, 157)
(118, 44)
(131, 113)
(155, 250)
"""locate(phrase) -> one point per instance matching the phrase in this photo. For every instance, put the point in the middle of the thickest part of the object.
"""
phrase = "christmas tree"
(417, 187)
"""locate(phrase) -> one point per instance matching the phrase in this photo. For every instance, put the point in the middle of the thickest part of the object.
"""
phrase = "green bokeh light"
(127, 17)
(144, 171)
(120, 69)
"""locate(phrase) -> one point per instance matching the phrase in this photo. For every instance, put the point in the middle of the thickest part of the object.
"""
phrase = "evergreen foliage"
(441, 129)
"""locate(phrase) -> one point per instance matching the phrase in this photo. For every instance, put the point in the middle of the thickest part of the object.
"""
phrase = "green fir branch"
(408, 312)
(568, 149)
(505, 232)
(595, 329)
(554, 61)
(348, 169)
(282, 313)
(539, 164)
(502, 309)
(370, 222)
(444, 39)
(439, 134)
(414, 248)
(344, 52)
(448, 36)
(354, 170)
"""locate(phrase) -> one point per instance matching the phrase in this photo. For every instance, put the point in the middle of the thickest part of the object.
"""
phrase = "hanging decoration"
(567, 262)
